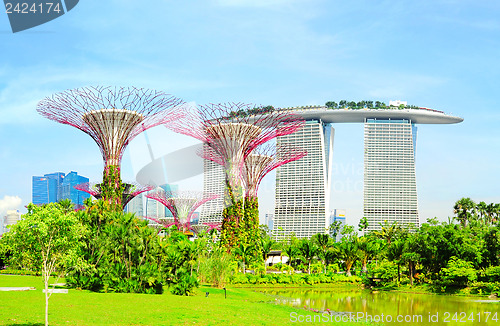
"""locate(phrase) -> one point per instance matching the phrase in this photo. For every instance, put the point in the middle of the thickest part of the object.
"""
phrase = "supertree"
(130, 190)
(232, 131)
(257, 165)
(112, 116)
(182, 205)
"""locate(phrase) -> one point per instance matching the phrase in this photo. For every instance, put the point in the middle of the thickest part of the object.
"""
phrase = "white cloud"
(9, 203)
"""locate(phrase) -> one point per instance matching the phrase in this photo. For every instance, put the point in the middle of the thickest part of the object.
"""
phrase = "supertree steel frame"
(256, 166)
(232, 131)
(130, 190)
(112, 116)
(182, 205)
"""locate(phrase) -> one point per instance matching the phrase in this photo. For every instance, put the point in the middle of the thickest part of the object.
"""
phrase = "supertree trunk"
(232, 216)
(251, 224)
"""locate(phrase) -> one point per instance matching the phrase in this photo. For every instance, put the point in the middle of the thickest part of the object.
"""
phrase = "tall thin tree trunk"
(46, 301)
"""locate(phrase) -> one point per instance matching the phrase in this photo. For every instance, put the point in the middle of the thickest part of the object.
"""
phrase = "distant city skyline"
(57, 186)
(437, 54)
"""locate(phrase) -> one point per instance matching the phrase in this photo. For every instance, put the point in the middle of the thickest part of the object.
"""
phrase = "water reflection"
(423, 309)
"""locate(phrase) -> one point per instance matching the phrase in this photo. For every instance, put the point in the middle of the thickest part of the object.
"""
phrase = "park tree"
(464, 209)
(363, 224)
(324, 244)
(308, 250)
(46, 239)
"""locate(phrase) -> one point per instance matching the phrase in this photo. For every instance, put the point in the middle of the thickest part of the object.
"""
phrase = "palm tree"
(410, 254)
(395, 252)
(244, 253)
(368, 249)
(464, 208)
(291, 251)
(266, 246)
(308, 250)
(323, 242)
(481, 209)
(66, 205)
(492, 211)
(388, 232)
(349, 252)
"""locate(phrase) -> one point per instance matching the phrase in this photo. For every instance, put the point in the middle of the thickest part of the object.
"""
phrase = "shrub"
(458, 272)
(493, 273)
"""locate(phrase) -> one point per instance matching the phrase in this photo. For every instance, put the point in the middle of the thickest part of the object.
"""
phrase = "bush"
(385, 269)
(493, 273)
(458, 272)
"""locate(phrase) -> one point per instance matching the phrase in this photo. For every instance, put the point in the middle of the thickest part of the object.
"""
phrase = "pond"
(391, 308)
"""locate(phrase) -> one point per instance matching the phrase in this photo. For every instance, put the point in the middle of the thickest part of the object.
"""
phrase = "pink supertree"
(234, 130)
(256, 166)
(182, 205)
(230, 133)
(112, 116)
(129, 192)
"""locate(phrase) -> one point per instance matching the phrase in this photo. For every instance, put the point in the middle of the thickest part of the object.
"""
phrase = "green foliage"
(216, 267)
(493, 273)
(458, 272)
(122, 253)
(112, 187)
(280, 278)
(384, 269)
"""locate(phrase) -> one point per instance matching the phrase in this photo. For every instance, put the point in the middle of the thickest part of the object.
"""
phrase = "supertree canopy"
(112, 116)
(182, 205)
(231, 132)
(130, 190)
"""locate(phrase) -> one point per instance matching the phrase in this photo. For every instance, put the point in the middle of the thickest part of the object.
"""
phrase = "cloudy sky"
(442, 54)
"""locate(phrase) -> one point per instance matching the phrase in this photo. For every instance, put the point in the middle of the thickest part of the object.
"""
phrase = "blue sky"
(442, 54)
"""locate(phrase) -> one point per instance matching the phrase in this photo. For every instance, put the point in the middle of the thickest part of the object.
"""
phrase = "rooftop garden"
(374, 105)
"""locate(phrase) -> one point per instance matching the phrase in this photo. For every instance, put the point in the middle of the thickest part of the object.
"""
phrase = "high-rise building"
(213, 183)
(45, 189)
(136, 206)
(303, 186)
(53, 187)
(67, 190)
(156, 209)
(270, 221)
(390, 183)
(337, 217)
(9, 219)
(390, 187)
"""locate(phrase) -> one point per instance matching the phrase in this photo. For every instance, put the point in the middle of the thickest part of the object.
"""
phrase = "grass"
(242, 307)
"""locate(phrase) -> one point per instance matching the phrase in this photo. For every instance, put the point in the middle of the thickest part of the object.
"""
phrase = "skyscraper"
(390, 187)
(303, 186)
(156, 209)
(213, 183)
(9, 219)
(53, 187)
(337, 217)
(136, 206)
(390, 183)
(67, 190)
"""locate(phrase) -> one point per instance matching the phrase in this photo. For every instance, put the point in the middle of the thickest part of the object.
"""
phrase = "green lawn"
(242, 307)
